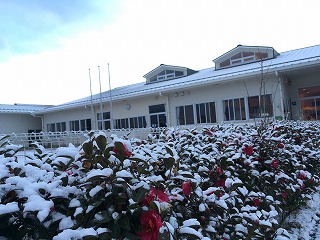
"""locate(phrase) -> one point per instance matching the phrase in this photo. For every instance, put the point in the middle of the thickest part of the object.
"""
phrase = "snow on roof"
(287, 60)
(21, 108)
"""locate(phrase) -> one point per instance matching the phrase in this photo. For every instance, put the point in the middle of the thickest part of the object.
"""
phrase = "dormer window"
(167, 72)
(244, 54)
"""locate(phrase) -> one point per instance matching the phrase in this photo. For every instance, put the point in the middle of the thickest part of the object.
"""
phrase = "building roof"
(284, 61)
(21, 108)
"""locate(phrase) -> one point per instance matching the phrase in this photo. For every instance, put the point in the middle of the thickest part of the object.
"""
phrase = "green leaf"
(124, 222)
(169, 151)
(88, 148)
(140, 195)
(169, 162)
(101, 142)
(64, 181)
(89, 237)
(102, 217)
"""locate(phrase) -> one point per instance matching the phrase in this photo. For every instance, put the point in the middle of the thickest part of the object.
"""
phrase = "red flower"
(280, 145)
(221, 183)
(126, 150)
(248, 150)
(155, 194)
(150, 225)
(275, 163)
(256, 202)
(219, 171)
(284, 195)
(186, 188)
(302, 176)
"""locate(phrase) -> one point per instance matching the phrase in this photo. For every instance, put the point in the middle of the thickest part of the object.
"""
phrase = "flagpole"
(110, 98)
(93, 122)
(100, 100)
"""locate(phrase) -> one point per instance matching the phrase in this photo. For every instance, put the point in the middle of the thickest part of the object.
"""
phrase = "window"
(61, 127)
(134, 122)
(51, 127)
(310, 102)
(185, 115)
(104, 122)
(138, 122)
(243, 57)
(166, 74)
(121, 123)
(80, 125)
(260, 106)
(234, 109)
(206, 112)
(157, 116)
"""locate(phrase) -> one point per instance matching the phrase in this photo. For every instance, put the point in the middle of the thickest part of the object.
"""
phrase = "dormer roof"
(244, 54)
(167, 72)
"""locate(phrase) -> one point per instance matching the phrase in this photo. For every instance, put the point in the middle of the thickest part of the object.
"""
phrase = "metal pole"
(93, 122)
(100, 100)
(110, 98)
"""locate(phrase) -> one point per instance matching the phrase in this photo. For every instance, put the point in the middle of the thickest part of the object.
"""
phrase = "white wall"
(18, 123)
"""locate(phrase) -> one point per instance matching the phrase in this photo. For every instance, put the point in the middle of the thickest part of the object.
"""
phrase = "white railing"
(62, 139)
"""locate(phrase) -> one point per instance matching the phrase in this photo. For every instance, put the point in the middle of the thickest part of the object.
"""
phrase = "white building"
(247, 83)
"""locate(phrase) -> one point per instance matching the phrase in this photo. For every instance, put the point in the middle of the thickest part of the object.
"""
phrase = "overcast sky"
(47, 47)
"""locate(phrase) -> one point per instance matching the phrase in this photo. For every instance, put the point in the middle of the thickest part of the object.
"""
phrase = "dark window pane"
(106, 115)
(238, 55)
(88, 124)
(162, 120)
(83, 125)
(226, 110)
(189, 114)
(231, 109)
(156, 108)
(213, 112)
(237, 109)
(180, 115)
(225, 63)
(254, 107)
(243, 110)
(178, 73)
(154, 121)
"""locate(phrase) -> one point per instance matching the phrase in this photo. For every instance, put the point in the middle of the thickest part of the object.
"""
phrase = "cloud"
(34, 25)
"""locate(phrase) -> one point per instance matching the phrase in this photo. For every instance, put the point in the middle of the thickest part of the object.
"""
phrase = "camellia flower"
(256, 202)
(280, 145)
(127, 153)
(248, 150)
(284, 195)
(186, 188)
(155, 194)
(150, 225)
(275, 163)
(219, 171)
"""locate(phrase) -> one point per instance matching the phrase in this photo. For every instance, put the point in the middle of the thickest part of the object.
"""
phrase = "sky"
(48, 47)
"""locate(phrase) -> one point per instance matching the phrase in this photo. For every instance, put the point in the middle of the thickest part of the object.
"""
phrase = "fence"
(62, 139)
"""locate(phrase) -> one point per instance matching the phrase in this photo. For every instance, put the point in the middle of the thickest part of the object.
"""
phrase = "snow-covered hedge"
(223, 182)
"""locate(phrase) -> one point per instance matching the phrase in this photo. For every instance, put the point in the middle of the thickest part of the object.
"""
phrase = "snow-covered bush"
(222, 182)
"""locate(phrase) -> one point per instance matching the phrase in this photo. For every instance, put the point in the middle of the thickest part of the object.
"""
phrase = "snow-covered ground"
(306, 222)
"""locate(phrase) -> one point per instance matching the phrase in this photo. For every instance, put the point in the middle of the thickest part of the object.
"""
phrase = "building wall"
(66, 116)
(239, 88)
(281, 90)
(18, 123)
(298, 80)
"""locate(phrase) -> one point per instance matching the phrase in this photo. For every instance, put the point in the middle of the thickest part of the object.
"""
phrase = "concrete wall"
(18, 123)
